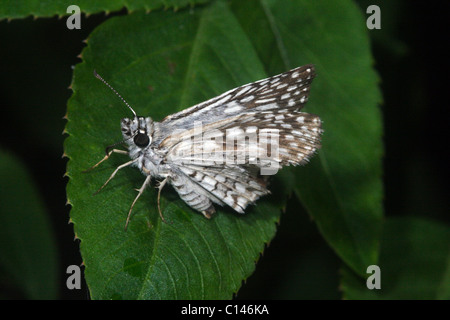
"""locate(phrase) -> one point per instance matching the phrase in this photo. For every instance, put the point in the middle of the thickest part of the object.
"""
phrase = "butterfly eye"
(141, 140)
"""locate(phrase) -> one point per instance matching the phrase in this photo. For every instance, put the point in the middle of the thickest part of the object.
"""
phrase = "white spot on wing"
(243, 90)
(267, 106)
(240, 187)
(247, 98)
(220, 178)
(251, 129)
(233, 107)
(209, 181)
(265, 100)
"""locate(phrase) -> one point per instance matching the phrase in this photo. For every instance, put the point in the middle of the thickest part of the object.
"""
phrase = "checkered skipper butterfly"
(211, 153)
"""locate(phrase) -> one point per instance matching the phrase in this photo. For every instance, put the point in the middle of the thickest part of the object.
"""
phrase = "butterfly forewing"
(286, 90)
(223, 127)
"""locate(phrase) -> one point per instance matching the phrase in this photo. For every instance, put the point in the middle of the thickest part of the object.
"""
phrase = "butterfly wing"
(286, 137)
(218, 144)
(288, 90)
(234, 186)
(227, 178)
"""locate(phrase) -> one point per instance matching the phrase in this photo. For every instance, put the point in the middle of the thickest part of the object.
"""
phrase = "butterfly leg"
(108, 154)
(161, 185)
(141, 190)
(114, 173)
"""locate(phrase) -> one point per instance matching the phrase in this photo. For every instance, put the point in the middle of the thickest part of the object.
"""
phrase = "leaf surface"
(15, 9)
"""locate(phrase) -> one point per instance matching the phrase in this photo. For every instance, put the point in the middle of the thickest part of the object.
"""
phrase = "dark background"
(411, 56)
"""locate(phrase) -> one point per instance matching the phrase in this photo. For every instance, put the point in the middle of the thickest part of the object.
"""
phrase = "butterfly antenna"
(114, 90)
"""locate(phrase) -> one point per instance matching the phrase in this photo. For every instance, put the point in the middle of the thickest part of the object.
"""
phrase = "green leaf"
(414, 263)
(342, 187)
(27, 245)
(14, 9)
(161, 62)
(165, 62)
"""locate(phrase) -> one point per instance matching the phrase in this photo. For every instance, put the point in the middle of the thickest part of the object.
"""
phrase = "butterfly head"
(137, 131)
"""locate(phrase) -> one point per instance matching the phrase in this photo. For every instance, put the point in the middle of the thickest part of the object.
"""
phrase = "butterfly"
(221, 151)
